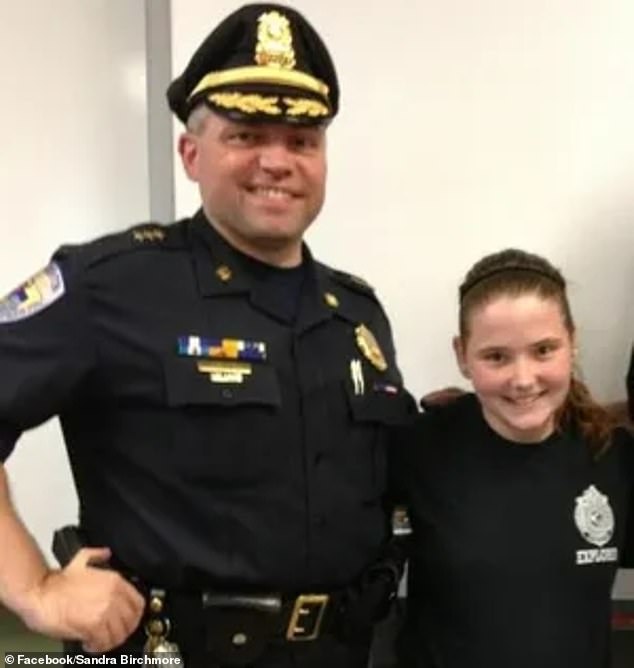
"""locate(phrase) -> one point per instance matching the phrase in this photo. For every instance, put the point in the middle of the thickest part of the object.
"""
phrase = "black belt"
(233, 625)
(228, 623)
(236, 628)
(294, 618)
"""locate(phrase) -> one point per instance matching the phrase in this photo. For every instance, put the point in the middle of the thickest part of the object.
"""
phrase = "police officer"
(225, 398)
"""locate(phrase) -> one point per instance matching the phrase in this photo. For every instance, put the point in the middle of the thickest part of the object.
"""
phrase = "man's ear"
(458, 348)
(188, 151)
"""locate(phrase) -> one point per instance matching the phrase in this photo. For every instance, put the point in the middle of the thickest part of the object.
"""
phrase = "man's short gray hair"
(197, 118)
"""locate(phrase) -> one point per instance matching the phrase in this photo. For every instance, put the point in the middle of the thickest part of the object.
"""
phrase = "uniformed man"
(225, 398)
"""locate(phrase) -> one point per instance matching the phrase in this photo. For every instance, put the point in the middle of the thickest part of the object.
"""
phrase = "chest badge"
(594, 517)
(369, 346)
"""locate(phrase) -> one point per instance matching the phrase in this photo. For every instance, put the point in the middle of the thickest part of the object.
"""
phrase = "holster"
(67, 541)
(370, 599)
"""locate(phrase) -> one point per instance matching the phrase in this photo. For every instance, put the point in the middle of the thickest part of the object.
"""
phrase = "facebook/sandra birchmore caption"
(63, 659)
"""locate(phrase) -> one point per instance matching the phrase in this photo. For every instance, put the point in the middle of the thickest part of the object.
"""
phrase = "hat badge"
(369, 346)
(274, 47)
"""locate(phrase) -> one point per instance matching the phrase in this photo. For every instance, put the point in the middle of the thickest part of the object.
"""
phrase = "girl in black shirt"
(518, 494)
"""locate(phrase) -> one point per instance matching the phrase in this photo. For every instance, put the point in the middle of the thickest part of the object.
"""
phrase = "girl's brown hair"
(513, 273)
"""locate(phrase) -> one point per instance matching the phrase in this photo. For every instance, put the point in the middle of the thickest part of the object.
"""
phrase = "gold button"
(239, 639)
(331, 300)
(224, 273)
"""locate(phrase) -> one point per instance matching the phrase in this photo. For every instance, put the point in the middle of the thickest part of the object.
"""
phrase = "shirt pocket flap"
(389, 407)
(187, 386)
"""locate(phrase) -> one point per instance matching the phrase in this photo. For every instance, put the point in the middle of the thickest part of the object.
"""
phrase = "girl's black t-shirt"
(515, 545)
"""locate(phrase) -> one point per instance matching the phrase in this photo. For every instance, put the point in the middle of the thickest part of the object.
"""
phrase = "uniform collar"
(216, 263)
(221, 270)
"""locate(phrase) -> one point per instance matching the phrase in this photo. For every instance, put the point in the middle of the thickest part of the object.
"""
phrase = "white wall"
(73, 165)
(467, 127)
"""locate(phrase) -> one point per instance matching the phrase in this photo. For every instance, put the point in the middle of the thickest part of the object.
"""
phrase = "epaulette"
(139, 237)
(355, 282)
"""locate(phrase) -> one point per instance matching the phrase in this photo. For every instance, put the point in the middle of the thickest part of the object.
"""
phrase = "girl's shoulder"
(460, 412)
(440, 427)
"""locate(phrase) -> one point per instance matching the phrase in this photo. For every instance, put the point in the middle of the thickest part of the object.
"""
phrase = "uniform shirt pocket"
(223, 432)
(373, 415)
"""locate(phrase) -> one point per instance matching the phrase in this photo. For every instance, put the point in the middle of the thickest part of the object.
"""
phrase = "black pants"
(325, 652)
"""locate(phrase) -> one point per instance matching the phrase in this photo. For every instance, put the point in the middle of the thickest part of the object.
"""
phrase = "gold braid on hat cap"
(258, 74)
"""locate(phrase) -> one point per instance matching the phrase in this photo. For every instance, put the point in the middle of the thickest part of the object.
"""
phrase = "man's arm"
(95, 606)
(21, 562)
(46, 351)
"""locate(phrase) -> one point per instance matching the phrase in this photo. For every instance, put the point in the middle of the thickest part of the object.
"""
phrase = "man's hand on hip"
(95, 606)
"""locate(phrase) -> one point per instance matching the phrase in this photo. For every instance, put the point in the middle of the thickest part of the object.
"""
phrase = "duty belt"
(236, 628)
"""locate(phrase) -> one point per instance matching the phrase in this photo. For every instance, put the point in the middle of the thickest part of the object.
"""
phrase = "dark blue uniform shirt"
(274, 482)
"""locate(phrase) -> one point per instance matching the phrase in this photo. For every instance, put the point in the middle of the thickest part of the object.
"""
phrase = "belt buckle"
(307, 616)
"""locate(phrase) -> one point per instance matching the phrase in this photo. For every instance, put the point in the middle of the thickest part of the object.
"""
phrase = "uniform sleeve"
(398, 467)
(45, 349)
(406, 457)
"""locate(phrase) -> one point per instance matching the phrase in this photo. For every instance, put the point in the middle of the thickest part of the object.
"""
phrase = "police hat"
(264, 62)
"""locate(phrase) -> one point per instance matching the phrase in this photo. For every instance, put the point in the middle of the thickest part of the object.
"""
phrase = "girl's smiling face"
(518, 354)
